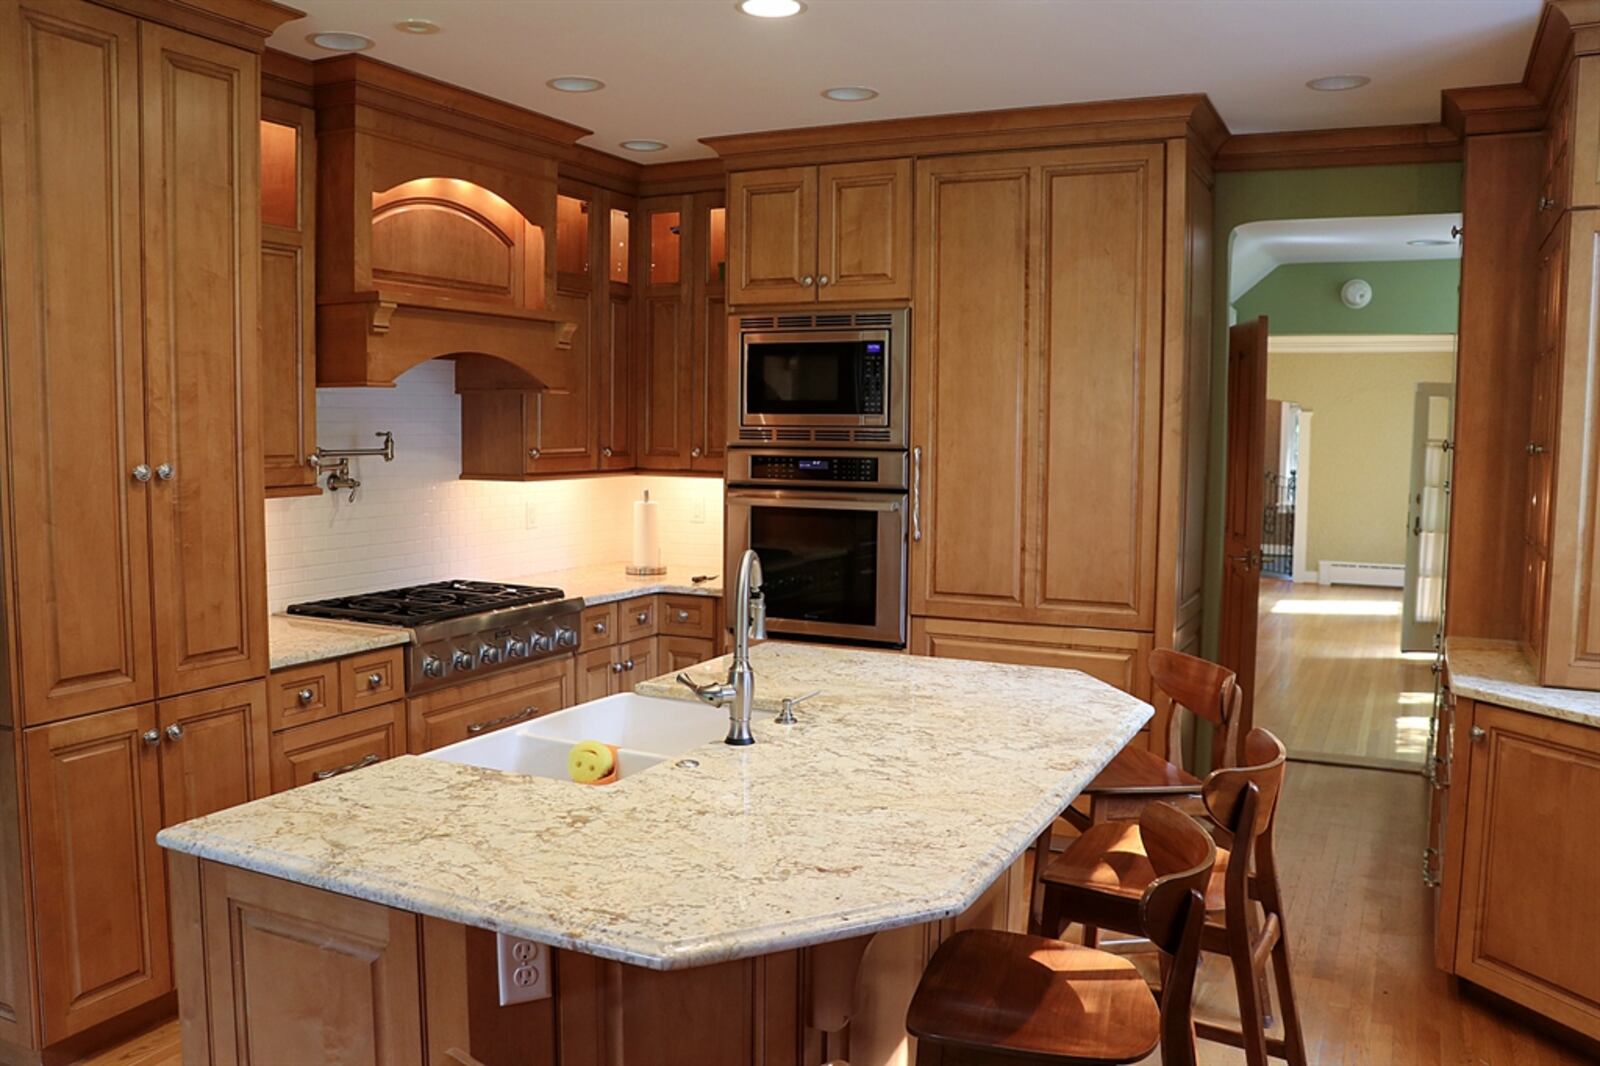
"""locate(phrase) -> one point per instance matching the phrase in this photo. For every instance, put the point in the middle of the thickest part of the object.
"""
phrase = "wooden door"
(1241, 545)
(597, 672)
(680, 653)
(1094, 417)
(202, 252)
(77, 529)
(616, 384)
(666, 334)
(1540, 450)
(864, 231)
(288, 298)
(708, 431)
(638, 661)
(772, 236)
(970, 379)
(1529, 926)
(214, 750)
(298, 975)
(100, 906)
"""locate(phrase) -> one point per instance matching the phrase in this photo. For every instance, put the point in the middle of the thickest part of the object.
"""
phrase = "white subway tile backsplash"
(415, 520)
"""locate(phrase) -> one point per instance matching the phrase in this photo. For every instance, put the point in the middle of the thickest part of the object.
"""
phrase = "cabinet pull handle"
(174, 731)
(642, 617)
(141, 472)
(616, 668)
(538, 426)
(807, 280)
(165, 472)
(1535, 449)
(683, 616)
(374, 680)
(599, 627)
(606, 452)
(305, 695)
(495, 723)
(151, 736)
(916, 493)
(359, 764)
(1477, 733)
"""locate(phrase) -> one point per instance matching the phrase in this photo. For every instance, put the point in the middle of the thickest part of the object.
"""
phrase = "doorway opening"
(1358, 318)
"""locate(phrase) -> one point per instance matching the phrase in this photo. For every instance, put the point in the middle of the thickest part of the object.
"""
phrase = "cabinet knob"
(1477, 733)
(642, 617)
(683, 616)
(694, 453)
(628, 665)
(606, 452)
(374, 680)
(807, 280)
(599, 627)
(174, 731)
(1546, 202)
(141, 472)
(1535, 449)
(305, 695)
(617, 668)
(165, 472)
(533, 453)
(151, 736)
(823, 280)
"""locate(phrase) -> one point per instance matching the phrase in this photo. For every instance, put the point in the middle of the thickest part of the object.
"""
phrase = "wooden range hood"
(435, 231)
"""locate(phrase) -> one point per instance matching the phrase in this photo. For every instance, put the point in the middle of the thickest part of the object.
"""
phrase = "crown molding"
(1357, 146)
(1360, 343)
(242, 23)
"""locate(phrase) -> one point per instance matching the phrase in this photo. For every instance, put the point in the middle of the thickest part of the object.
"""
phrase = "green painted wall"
(1256, 196)
(1412, 297)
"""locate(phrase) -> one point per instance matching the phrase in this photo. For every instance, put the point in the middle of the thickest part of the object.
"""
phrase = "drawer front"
(549, 688)
(599, 627)
(637, 618)
(375, 678)
(302, 694)
(689, 616)
(341, 745)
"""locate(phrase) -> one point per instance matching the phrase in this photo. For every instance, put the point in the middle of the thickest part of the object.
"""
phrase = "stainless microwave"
(824, 377)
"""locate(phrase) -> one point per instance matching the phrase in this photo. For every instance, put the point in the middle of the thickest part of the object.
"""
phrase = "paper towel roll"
(646, 538)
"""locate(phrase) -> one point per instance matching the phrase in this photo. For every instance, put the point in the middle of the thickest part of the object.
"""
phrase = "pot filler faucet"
(750, 620)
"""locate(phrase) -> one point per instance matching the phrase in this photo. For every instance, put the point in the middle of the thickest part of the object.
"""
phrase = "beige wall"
(1362, 408)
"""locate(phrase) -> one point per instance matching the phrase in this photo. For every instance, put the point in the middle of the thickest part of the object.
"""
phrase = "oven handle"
(781, 498)
(916, 493)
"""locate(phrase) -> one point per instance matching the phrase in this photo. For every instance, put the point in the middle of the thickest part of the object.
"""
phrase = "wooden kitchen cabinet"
(337, 746)
(462, 712)
(214, 751)
(709, 371)
(1520, 900)
(288, 298)
(833, 233)
(1036, 396)
(608, 671)
(1117, 657)
(680, 653)
(666, 332)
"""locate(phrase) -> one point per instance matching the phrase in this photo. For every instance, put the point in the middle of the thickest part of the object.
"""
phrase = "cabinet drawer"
(599, 626)
(321, 750)
(689, 616)
(537, 690)
(303, 694)
(368, 680)
(637, 618)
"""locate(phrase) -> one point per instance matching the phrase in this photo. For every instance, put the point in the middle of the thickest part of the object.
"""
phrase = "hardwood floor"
(1330, 679)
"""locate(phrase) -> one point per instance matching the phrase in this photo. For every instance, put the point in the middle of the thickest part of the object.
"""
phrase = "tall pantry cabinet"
(131, 492)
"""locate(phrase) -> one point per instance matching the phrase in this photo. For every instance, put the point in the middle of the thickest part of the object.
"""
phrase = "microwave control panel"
(813, 468)
(872, 390)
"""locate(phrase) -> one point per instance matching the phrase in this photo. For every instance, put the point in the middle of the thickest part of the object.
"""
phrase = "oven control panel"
(814, 468)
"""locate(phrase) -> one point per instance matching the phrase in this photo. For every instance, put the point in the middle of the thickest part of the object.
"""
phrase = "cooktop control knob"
(541, 642)
(516, 649)
(432, 666)
(462, 661)
(566, 637)
(488, 654)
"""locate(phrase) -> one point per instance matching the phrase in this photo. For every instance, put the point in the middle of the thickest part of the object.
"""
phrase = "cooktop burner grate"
(417, 605)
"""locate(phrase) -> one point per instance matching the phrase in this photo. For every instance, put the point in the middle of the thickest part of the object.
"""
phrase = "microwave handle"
(916, 493)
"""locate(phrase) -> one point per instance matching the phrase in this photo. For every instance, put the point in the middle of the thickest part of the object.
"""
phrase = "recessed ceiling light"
(849, 94)
(417, 26)
(1429, 242)
(574, 83)
(644, 145)
(1338, 83)
(339, 41)
(771, 9)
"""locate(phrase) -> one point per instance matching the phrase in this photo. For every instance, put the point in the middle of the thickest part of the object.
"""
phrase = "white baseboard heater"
(1381, 575)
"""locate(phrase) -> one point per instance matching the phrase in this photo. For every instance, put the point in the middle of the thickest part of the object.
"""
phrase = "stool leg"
(1252, 1026)
(1267, 878)
(1263, 988)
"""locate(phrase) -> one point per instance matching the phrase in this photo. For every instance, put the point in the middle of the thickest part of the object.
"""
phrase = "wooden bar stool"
(1101, 878)
(993, 997)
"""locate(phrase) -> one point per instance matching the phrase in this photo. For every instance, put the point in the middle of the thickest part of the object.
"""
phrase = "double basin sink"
(646, 730)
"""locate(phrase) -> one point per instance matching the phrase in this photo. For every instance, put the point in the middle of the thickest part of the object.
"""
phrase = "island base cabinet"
(273, 972)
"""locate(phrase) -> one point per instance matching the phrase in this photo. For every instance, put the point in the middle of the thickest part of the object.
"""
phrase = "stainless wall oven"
(834, 378)
(830, 527)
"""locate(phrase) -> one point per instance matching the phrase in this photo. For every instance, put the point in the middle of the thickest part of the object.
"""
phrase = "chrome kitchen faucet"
(750, 620)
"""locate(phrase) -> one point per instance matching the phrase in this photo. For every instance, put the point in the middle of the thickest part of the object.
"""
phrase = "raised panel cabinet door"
(680, 653)
(638, 660)
(78, 528)
(970, 379)
(1529, 926)
(298, 975)
(202, 254)
(1118, 657)
(617, 385)
(709, 415)
(214, 750)
(288, 298)
(864, 231)
(772, 236)
(595, 676)
(1095, 441)
(561, 435)
(100, 904)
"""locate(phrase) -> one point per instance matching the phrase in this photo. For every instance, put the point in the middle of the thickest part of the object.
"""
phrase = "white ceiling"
(1259, 248)
(678, 70)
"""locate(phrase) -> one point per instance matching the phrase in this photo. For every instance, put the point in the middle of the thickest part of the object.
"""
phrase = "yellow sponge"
(590, 760)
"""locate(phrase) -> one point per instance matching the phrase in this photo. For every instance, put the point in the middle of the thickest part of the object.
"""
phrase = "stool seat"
(1110, 858)
(1034, 998)
(1140, 770)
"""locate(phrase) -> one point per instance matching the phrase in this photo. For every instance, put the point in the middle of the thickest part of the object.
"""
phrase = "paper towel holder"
(633, 570)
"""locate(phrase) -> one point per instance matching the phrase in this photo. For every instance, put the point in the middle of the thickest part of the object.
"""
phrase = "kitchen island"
(765, 904)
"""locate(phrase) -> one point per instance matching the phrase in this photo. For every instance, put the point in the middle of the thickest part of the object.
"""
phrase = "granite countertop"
(907, 788)
(292, 641)
(1499, 672)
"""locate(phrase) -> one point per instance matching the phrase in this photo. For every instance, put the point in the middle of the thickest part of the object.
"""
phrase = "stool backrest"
(1204, 689)
(1227, 792)
(1173, 914)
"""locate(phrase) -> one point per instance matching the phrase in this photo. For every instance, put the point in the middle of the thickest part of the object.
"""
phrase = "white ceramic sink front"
(646, 730)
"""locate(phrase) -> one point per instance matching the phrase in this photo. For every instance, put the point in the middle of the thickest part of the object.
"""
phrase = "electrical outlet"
(524, 970)
(530, 516)
(698, 512)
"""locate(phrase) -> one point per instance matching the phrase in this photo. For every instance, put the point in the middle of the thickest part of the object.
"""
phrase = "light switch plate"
(524, 970)
(698, 512)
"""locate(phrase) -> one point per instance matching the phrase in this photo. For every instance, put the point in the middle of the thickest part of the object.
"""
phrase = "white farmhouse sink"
(646, 730)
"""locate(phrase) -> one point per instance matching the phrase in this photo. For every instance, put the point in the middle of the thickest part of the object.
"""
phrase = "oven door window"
(818, 565)
(814, 378)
